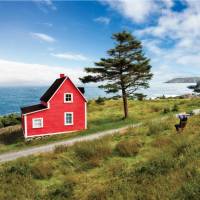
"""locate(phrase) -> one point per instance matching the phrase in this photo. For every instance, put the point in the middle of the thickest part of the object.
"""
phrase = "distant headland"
(184, 80)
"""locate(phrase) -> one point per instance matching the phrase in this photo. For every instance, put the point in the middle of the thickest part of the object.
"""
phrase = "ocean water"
(12, 98)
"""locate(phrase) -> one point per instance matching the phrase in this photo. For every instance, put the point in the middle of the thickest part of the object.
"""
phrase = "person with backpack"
(183, 122)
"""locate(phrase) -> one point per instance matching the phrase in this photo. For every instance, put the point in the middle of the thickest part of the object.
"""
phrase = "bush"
(1, 124)
(166, 110)
(157, 166)
(155, 108)
(60, 149)
(156, 127)
(42, 170)
(93, 151)
(162, 142)
(64, 190)
(175, 108)
(10, 120)
(128, 148)
(18, 187)
(20, 167)
(11, 136)
(140, 96)
(98, 192)
(182, 149)
(100, 100)
(189, 191)
(117, 168)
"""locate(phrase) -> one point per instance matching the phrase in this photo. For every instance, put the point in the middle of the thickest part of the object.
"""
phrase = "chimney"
(62, 75)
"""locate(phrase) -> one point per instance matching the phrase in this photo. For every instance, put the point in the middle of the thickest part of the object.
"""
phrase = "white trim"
(56, 92)
(40, 118)
(25, 126)
(72, 97)
(72, 114)
(78, 89)
(46, 134)
(85, 115)
(37, 111)
(58, 89)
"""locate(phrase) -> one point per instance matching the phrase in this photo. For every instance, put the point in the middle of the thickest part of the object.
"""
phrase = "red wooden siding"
(53, 117)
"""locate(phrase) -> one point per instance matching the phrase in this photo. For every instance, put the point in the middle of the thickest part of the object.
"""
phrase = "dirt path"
(50, 147)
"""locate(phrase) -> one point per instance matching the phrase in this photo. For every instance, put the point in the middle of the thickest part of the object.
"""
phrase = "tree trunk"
(124, 96)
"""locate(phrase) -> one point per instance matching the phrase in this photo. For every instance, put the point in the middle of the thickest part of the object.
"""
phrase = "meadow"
(102, 115)
(145, 163)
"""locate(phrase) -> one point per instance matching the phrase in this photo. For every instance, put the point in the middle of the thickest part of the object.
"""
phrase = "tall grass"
(157, 126)
(100, 117)
(128, 147)
(166, 167)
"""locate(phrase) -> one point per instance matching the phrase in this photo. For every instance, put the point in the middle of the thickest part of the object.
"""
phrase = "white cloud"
(43, 37)
(45, 5)
(69, 56)
(25, 74)
(174, 42)
(137, 10)
(50, 4)
(103, 20)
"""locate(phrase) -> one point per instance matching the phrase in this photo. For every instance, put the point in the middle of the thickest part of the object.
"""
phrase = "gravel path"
(50, 147)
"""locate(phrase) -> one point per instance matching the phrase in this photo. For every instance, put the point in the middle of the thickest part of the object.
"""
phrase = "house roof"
(82, 90)
(33, 108)
(50, 92)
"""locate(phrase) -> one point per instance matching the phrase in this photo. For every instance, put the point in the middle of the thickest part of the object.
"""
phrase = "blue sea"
(12, 98)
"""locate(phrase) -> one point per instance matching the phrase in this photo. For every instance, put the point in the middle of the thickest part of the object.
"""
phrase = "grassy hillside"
(148, 163)
(103, 116)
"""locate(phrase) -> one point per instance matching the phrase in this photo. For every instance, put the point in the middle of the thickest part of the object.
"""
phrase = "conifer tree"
(195, 88)
(124, 71)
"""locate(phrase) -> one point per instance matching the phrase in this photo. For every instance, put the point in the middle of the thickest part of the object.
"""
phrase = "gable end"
(53, 88)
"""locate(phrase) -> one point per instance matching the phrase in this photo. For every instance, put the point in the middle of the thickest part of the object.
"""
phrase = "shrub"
(92, 150)
(98, 192)
(157, 166)
(10, 120)
(1, 124)
(161, 142)
(175, 108)
(20, 167)
(140, 96)
(155, 108)
(117, 168)
(60, 149)
(166, 110)
(11, 136)
(18, 187)
(64, 190)
(128, 148)
(42, 170)
(100, 100)
(156, 127)
(189, 190)
(182, 149)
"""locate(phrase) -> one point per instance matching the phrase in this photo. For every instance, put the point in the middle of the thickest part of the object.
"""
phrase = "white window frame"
(71, 98)
(33, 120)
(72, 114)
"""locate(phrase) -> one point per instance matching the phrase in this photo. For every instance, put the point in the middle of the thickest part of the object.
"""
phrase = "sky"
(41, 39)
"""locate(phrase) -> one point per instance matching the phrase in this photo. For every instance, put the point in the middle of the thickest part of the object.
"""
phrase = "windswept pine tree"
(195, 88)
(124, 71)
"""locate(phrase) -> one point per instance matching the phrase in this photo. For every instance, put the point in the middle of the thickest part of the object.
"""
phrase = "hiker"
(183, 122)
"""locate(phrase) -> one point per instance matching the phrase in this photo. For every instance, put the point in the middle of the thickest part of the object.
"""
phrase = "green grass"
(129, 165)
(101, 117)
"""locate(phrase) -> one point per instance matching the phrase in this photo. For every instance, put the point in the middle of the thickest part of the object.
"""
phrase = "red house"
(63, 108)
